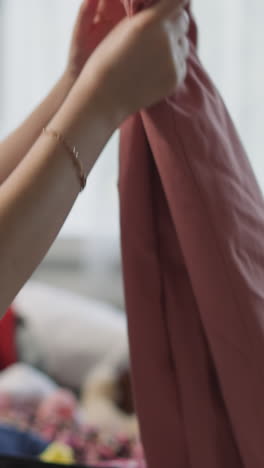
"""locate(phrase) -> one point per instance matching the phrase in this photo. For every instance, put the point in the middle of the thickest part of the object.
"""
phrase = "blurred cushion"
(23, 381)
(66, 335)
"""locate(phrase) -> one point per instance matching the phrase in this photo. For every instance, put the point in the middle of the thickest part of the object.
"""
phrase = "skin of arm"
(136, 65)
(87, 34)
(37, 197)
(18, 143)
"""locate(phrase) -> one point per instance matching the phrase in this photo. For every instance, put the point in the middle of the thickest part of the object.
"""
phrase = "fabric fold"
(192, 229)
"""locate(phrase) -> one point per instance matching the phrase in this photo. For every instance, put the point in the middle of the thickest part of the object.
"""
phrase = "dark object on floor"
(124, 398)
(17, 462)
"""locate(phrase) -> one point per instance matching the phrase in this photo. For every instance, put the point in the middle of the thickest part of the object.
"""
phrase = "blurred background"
(35, 36)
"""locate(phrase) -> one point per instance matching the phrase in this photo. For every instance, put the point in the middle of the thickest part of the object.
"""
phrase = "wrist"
(86, 120)
(101, 85)
(99, 96)
(107, 105)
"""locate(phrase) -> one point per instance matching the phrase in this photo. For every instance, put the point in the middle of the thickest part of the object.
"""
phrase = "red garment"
(193, 257)
(8, 353)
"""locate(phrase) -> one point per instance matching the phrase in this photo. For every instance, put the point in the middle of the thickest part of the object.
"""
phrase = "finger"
(88, 11)
(181, 68)
(181, 22)
(178, 30)
(166, 8)
(184, 45)
(111, 10)
(183, 73)
(180, 48)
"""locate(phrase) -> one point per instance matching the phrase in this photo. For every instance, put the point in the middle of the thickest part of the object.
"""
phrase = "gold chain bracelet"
(72, 151)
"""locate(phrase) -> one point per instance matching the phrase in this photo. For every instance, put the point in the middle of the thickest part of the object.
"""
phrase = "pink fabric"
(193, 257)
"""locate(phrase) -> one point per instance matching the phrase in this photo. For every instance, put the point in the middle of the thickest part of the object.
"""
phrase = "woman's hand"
(142, 60)
(95, 20)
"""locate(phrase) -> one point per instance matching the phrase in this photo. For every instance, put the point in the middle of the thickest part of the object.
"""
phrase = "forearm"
(18, 143)
(37, 197)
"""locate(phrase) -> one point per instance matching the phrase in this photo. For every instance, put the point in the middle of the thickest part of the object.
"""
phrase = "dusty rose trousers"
(192, 220)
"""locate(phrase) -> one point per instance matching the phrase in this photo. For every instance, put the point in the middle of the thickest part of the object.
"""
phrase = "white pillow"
(21, 380)
(69, 334)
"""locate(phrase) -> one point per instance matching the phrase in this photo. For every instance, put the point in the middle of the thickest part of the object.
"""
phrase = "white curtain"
(231, 40)
(36, 35)
(34, 41)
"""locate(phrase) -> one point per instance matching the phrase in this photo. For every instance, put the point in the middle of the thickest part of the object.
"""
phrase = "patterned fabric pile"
(88, 444)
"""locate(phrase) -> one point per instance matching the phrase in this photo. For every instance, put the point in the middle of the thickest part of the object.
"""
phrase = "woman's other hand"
(96, 18)
(142, 60)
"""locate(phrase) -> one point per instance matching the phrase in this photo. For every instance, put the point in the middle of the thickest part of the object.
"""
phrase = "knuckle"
(185, 44)
(186, 21)
(183, 23)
